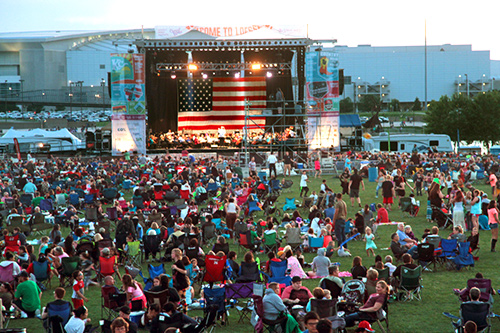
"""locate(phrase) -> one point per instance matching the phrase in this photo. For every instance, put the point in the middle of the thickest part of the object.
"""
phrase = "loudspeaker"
(89, 137)
(359, 132)
(341, 81)
(98, 135)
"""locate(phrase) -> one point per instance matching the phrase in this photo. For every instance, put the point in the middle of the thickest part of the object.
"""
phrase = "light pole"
(71, 98)
(103, 85)
(80, 83)
(22, 95)
(467, 83)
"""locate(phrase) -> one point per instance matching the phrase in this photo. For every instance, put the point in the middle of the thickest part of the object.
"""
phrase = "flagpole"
(425, 33)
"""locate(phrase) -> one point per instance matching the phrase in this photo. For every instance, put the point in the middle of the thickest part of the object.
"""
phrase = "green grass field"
(415, 316)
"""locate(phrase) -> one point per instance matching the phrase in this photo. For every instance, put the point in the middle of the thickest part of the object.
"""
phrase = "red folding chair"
(107, 267)
(11, 244)
(214, 269)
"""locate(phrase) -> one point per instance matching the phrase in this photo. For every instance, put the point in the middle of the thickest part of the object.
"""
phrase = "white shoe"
(23, 315)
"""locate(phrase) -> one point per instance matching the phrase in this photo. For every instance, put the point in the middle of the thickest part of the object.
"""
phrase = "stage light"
(173, 75)
(269, 74)
(205, 76)
(192, 67)
(256, 67)
(237, 75)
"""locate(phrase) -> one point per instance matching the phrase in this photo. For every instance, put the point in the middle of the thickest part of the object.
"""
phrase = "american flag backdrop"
(208, 104)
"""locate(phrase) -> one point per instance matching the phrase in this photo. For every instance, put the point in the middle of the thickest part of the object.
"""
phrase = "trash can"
(372, 174)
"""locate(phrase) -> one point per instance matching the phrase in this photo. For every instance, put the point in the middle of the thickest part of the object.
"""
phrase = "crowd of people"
(214, 196)
(221, 138)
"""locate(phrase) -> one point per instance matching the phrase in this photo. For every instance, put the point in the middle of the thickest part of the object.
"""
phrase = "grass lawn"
(415, 316)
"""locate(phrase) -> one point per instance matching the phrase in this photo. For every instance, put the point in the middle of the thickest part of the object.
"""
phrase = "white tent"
(59, 140)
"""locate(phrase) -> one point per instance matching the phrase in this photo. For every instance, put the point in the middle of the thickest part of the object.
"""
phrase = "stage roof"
(349, 120)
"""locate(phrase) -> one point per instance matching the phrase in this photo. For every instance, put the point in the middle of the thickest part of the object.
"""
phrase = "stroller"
(442, 217)
(270, 207)
(353, 293)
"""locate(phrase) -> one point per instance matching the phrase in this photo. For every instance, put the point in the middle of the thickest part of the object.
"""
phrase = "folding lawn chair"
(152, 245)
(268, 325)
(216, 297)
(426, 255)
(154, 271)
(325, 308)
(335, 289)
(271, 243)
(214, 269)
(478, 312)
(58, 316)
(209, 235)
(134, 254)
(410, 285)
(69, 265)
(40, 270)
(244, 241)
(238, 292)
(107, 267)
(111, 302)
(161, 298)
(293, 238)
(316, 242)
(289, 204)
(464, 258)
(279, 273)
(448, 253)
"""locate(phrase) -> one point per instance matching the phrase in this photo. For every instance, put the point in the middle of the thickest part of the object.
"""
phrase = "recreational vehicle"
(407, 142)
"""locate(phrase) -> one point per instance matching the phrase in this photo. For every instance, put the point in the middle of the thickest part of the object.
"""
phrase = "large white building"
(51, 60)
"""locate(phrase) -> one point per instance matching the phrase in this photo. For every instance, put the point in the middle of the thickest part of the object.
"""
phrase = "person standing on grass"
(303, 184)
(339, 217)
(356, 180)
(388, 192)
(78, 286)
(493, 222)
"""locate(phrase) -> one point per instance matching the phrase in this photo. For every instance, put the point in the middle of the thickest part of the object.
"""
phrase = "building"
(38, 61)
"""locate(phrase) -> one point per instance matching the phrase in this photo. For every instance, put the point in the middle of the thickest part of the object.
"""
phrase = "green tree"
(417, 105)
(473, 118)
(370, 103)
(35, 107)
(395, 105)
(346, 105)
(4, 107)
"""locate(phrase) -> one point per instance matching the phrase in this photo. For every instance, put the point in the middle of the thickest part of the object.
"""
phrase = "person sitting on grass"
(27, 296)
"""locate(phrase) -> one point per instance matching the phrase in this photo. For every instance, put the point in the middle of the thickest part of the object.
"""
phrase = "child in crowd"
(87, 267)
(78, 286)
(22, 256)
(370, 244)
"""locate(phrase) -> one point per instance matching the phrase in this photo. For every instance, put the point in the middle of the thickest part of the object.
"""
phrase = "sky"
(379, 23)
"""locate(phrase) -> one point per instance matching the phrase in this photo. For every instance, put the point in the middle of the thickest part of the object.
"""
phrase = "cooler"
(300, 165)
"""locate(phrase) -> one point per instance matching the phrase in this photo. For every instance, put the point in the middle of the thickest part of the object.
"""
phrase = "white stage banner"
(165, 32)
(128, 133)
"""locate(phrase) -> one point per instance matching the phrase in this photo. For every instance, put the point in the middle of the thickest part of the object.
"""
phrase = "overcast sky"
(379, 23)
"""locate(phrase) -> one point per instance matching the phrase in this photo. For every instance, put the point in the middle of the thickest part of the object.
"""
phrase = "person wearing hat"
(124, 313)
(364, 326)
(296, 293)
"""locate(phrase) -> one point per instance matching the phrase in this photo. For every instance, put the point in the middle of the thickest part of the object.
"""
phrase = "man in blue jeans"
(339, 218)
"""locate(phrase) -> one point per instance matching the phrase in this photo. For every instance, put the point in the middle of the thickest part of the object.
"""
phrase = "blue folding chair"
(212, 188)
(74, 199)
(279, 273)
(40, 271)
(316, 242)
(154, 271)
(464, 257)
(217, 297)
(89, 198)
(127, 184)
(46, 205)
(219, 228)
(58, 316)
(253, 207)
(261, 175)
(289, 204)
(448, 252)
(275, 186)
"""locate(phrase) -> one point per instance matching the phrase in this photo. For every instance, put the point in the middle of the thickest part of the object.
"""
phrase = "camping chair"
(89, 199)
(6, 275)
(484, 285)
(11, 244)
(249, 272)
(406, 207)
(220, 227)
(253, 206)
(111, 302)
(244, 241)
(61, 200)
(269, 325)
(239, 291)
(152, 245)
(209, 235)
(107, 267)
(112, 214)
(58, 316)
(17, 221)
(382, 315)
(384, 274)
(410, 285)
(26, 199)
(289, 204)
(40, 271)
(271, 243)
(464, 258)
(448, 253)
(154, 271)
(74, 199)
(325, 308)
(275, 186)
(426, 255)
(287, 185)
(307, 202)
(216, 297)
(134, 254)
(279, 273)
(477, 312)
(293, 238)
(91, 214)
(214, 269)
(161, 298)
(110, 194)
(315, 242)
(335, 289)
(47, 205)
(69, 265)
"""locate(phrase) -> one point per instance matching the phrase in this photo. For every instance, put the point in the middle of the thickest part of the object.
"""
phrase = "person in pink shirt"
(493, 222)
(133, 290)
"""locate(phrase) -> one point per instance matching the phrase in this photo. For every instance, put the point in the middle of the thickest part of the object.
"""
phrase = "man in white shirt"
(252, 167)
(272, 160)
